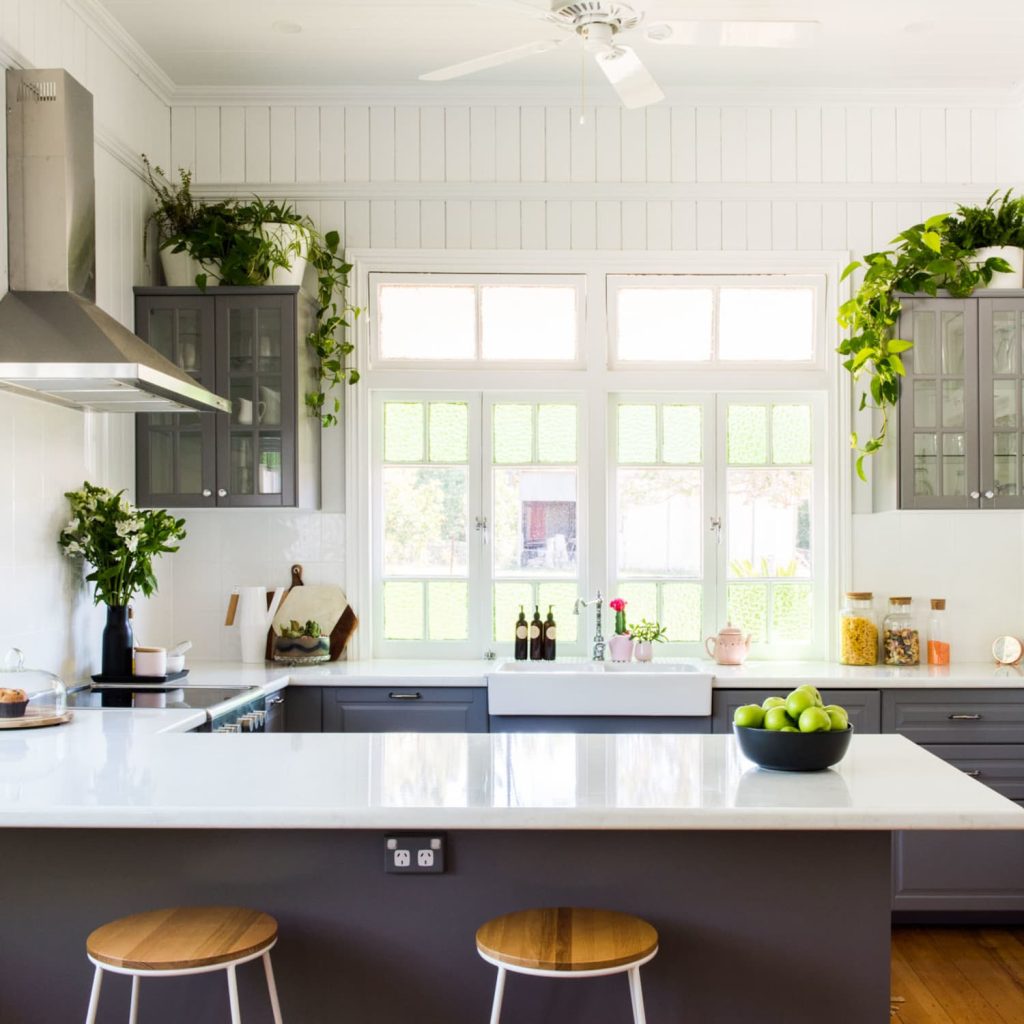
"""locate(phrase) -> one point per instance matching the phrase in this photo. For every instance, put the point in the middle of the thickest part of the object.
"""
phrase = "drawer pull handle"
(964, 718)
(404, 696)
(973, 773)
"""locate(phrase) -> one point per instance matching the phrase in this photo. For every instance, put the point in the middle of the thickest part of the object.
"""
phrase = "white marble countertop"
(123, 769)
(755, 674)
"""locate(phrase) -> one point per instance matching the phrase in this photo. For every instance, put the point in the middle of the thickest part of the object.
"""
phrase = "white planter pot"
(644, 650)
(286, 236)
(1013, 256)
(180, 270)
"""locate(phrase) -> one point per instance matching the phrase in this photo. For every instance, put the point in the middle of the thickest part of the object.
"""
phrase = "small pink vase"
(621, 647)
(644, 651)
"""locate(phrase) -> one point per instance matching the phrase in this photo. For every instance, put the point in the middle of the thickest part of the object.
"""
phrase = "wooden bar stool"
(182, 940)
(568, 942)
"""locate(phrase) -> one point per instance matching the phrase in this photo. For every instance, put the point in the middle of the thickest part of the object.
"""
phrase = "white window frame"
(596, 380)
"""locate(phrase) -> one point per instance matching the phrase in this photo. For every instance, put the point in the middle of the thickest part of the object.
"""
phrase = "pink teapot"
(730, 647)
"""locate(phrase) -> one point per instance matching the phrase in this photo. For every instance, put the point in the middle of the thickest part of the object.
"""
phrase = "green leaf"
(932, 240)
(897, 345)
(849, 269)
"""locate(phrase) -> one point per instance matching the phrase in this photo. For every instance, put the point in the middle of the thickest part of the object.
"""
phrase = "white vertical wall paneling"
(456, 144)
(783, 225)
(508, 228)
(559, 224)
(908, 213)
(307, 144)
(532, 134)
(557, 144)
(885, 223)
(382, 143)
(759, 225)
(858, 227)
(507, 157)
(684, 224)
(783, 144)
(983, 145)
(432, 144)
(734, 221)
(407, 144)
(958, 144)
(382, 223)
(734, 144)
(808, 143)
(332, 143)
(482, 144)
(634, 225)
(933, 144)
(207, 143)
(407, 224)
(684, 144)
(282, 144)
(232, 144)
(808, 225)
(483, 224)
(659, 225)
(659, 144)
(709, 224)
(257, 144)
(357, 143)
(709, 144)
(584, 224)
(759, 144)
(183, 141)
(634, 144)
(1010, 144)
(883, 143)
(833, 144)
(833, 224)
(357, 223)
(534, 224)
(582, 145)
(609, 224)
(609, 144)
(458, 224)
(432, 218)
(858, 144)
(908, 144)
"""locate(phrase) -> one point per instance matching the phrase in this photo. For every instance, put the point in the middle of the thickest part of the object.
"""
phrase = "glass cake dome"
(27, 693)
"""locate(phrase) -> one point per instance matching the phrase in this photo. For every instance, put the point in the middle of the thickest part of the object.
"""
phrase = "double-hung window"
(532, 437)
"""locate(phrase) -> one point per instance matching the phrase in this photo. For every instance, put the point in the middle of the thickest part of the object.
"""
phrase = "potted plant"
(302, 643)
(645, 636)
(993, 230)
(120, 542)
(620, 645)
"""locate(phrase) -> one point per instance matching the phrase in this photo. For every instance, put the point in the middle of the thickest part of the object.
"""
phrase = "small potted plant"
(620, 645)
(302, 643)
(993, 231)
(645, 636)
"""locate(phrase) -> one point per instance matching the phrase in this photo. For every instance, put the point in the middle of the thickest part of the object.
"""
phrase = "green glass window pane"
(747, 608)
(681, 611)
(507, 599)
(747, 435)
(556, 433)
(641, 603)
(447, 610)
(681, 434)
(513, 434)
(791, 434)
(403, 611)
(561, 597)
(449, 431)
(638, 433)
(403, 431)
(791, 613)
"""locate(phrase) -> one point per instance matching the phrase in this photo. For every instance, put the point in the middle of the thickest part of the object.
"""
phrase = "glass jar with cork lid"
(938, 636)
(901, 640)
(858, 630)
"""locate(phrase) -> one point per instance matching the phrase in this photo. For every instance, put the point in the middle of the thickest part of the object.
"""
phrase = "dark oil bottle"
(536, 636)
(522, 636)
(550, 632)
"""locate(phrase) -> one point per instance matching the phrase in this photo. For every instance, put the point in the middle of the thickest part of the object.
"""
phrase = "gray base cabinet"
(405, 709)
(600, 724)
(864, 706)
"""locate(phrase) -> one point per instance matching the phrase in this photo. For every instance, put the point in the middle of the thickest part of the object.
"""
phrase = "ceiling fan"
(600, 26)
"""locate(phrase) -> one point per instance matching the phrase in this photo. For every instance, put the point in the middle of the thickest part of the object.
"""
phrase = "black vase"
(117, 642)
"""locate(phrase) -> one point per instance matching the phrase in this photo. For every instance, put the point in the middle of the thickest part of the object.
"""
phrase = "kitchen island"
(770, 891)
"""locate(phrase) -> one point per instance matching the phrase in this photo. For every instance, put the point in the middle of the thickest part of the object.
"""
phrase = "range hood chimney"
(55, 342)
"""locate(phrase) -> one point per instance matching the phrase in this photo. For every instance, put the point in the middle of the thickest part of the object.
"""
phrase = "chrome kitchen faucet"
(598, 638)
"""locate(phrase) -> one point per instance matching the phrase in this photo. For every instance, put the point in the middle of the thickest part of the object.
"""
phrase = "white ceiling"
(869, 44)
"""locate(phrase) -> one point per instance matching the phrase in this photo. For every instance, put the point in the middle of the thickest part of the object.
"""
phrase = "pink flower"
(617, 605)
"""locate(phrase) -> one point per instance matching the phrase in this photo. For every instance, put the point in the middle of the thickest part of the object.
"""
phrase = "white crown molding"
(126, 47)
(847, 192)
(125, 155)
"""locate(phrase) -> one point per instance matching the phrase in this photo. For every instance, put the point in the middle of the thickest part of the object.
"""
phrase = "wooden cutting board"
(35, 720)
(325, 603)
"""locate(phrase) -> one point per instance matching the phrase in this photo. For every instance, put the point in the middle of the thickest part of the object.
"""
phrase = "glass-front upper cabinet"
(1001, 361)
(242, 343)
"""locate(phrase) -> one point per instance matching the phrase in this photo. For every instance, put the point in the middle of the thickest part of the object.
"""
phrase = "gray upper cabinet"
(960, 404)
(248, 345)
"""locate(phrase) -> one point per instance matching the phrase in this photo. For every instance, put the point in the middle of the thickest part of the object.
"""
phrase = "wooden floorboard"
(958, 975)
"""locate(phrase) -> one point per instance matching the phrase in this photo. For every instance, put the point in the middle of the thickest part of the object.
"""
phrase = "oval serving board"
(31, 720)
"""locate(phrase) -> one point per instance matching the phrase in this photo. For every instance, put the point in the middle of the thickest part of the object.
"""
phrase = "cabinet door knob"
(221, 493)
(207, 492)
(975, 495)
(990, 495)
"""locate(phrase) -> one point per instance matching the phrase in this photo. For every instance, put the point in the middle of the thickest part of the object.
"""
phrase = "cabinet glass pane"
(638, 433)
(241, 340)
(243, 464)
(403, 432)
(425, 512)
(953, 403)
(1004, 404)
(926, 465)
(403, 611)
(448, 431)
(925, 412)
(954, 469)
(681, 434)
(190, 348)
(953, 343)
(534, 522)
(513, 434)
(447, 610)
(161, 461)
(270, 464)
(925, 344)
(269, 351)
(268, 407)
(1004, 342)
(241, 403)
(161, 332)
(1004, 468)
(190, 462)
(659, 530)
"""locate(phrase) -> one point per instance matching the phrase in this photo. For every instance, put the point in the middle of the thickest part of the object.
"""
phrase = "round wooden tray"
(35, 720)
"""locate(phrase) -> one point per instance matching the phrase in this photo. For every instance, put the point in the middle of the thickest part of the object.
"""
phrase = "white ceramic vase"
(286, 236)
(180, 270)
(620, 647)
(1013, 256)
(644, 650)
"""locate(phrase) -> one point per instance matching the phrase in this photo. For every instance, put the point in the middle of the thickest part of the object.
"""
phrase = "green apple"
(773, 702)
(815, 720)
(814, 692)
(750, 716)
(777, 719)
(838, 716)
(798, 702)
(789, 728)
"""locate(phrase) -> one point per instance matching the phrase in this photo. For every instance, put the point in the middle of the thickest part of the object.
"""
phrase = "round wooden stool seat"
(566, 939)
(182, 938)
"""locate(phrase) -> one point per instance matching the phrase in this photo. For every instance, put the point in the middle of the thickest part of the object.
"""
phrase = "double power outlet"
(412, 855)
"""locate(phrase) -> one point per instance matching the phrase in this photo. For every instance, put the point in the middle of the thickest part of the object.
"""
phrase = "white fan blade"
(629, 78)
(734, 33)
(538, 9)
(492, 60)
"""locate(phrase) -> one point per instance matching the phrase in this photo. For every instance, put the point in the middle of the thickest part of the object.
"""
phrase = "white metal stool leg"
(272, 987)
(499, 995)
(636, 994)
(236, 1014)
(94, 996)
(133, 1014)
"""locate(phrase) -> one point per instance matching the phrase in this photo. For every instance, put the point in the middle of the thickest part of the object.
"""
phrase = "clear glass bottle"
(858, 630)
(938, 633)
(901, 640)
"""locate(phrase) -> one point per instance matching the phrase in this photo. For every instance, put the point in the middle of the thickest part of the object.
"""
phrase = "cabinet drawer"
(863, 706)
(405, 709)
(955, 716)
(999, 765)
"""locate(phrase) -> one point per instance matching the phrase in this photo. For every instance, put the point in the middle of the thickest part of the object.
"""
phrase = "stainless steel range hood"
(55, 342)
